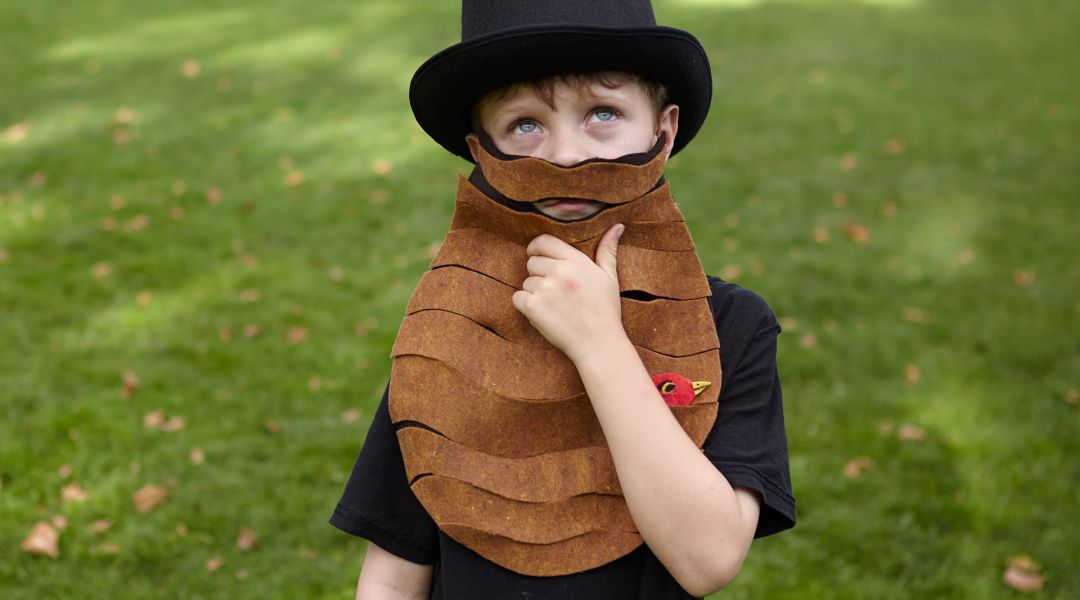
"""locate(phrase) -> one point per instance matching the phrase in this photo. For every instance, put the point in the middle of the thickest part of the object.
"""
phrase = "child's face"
(588, 121)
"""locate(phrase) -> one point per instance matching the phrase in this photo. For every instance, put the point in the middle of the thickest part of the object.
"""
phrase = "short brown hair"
(545, 88)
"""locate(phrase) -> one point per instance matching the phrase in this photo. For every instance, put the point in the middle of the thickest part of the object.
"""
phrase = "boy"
(543, 431)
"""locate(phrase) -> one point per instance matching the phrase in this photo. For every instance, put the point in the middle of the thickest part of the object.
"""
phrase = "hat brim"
(445, 87)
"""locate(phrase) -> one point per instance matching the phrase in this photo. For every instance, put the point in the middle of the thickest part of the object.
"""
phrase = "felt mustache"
(500, 442)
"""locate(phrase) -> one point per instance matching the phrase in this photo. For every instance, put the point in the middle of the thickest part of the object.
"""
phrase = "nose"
(566, 148)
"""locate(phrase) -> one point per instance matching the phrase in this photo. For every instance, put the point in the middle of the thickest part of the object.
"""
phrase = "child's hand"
(570, 299)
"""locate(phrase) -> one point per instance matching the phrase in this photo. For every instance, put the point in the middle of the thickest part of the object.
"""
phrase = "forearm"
(385, 576)
(685, 509)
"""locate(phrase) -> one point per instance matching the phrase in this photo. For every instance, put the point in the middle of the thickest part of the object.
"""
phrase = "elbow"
(706, 575)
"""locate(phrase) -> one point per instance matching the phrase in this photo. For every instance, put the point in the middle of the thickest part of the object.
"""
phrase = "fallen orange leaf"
(100, 526)
(149, 497)
(808, 340)
(911, 433)
(856, 466)
(246, 540)
(64, 471)
(197, 456)
(214, 563)
(821, 234)
(60, 522)
(17, 132)
(364, 327)
(124, 116)
(895, 147)
(43, 540)
(73, 492)
(1022, 575)
(294, 178)
(1072, 396)
(857, 233)
(912, 373)
(174, 424)
(848, 163)
(350, 416)
(251, 330)
(154, 419)
(296, 335)
(886, 427)
(131, 384)
(381, 167)
(913, 315)
(1023, 278)
(136, 223)
(190, 69)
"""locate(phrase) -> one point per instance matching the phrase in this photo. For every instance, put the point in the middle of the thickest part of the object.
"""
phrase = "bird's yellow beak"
(699, 386)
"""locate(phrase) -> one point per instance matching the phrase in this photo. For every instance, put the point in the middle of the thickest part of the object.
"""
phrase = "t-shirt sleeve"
(378, 504)
(748, 443)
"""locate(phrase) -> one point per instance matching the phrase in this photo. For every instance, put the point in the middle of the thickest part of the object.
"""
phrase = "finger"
(519, 300)
(608, 248)
(541, 265)
(531, 284)
(549, 245)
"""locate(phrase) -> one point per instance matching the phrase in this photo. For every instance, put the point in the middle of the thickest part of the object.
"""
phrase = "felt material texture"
(500, 442)
(529, 179)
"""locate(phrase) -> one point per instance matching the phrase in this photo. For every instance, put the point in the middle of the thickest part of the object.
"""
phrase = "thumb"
(608, 248)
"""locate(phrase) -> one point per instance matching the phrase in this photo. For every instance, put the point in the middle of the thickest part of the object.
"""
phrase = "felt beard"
(500, 442)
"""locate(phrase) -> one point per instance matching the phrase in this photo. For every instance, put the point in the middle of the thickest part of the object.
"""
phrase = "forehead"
(563, 91)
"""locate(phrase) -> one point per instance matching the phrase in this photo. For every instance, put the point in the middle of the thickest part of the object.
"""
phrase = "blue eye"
(524, 126)
(604, 114)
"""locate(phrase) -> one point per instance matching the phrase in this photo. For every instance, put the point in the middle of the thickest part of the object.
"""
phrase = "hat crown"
(480, 17)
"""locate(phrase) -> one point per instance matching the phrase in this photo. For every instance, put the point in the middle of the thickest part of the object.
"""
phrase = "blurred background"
(213, 213)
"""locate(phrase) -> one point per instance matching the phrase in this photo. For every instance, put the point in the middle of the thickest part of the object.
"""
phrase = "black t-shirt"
(747, 444)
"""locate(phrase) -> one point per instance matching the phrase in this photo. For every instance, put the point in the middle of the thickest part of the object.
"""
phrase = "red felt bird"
(677, 390)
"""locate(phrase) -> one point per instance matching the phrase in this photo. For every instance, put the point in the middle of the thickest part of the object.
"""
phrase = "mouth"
(565, 209)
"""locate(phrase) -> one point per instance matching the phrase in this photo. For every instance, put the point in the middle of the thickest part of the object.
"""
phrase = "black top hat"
(508, 41)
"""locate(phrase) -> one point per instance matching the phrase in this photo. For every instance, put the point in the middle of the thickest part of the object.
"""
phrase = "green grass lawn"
(217, 210)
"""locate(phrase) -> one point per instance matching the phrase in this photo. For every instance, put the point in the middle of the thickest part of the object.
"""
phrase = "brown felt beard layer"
(500, 443)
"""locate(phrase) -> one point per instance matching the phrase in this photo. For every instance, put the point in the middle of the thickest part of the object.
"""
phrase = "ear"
(474, 146)
(668, 123)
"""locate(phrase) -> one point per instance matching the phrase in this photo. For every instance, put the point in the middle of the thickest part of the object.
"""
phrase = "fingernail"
(622, 228)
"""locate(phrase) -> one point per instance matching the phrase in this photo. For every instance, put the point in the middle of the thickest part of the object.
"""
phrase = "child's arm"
(385, 576)
(690, 516)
